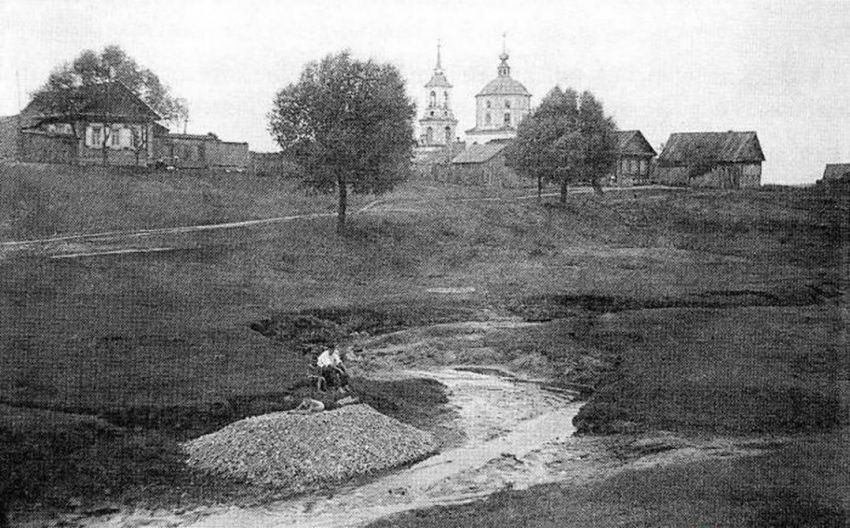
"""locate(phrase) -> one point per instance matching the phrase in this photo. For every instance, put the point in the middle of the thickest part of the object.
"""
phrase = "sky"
(781, 68)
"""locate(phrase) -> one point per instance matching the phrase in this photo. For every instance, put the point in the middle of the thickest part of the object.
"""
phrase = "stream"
(508, 425)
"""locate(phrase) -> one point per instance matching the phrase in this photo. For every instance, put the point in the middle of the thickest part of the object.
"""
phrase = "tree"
(567, 139)
(347, 123)
(112, 64)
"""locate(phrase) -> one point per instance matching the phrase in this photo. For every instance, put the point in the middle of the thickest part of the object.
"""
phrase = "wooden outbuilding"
(836, 172)
(725, 160)
(201, 151)
(482, 165)
(634, 159)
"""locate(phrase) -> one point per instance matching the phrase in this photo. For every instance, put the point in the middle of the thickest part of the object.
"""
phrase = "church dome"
(504, 86)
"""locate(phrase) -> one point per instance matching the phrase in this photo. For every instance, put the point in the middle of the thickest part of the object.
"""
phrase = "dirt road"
(107, 243)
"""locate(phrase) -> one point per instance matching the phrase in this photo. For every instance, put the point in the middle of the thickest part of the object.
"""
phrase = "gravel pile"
(300, 450)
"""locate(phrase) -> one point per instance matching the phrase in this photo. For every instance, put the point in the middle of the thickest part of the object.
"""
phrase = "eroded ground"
(706, 328)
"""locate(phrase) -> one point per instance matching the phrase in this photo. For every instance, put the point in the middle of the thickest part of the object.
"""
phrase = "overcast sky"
(662, 66)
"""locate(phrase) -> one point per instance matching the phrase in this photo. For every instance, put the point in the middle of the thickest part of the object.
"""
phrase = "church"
(499, 107)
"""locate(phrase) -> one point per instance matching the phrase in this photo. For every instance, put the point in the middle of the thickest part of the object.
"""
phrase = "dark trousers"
(334, 377)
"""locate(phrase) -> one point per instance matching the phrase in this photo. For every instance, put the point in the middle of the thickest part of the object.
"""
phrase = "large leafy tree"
(348, 124)
(111, 64)
(568, 139)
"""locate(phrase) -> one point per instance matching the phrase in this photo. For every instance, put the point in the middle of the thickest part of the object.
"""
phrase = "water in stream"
(505, 422)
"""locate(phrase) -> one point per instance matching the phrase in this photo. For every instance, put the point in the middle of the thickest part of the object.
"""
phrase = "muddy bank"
(511, 432)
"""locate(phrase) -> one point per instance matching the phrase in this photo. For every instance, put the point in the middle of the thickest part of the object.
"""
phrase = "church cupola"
(500, 106)
(503, 69)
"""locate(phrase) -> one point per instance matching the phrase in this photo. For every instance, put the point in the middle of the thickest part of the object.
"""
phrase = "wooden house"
(79, 125)
(726, 160)
(634, 159)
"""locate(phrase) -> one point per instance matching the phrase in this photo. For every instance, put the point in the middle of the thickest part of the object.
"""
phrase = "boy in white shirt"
(332, 369)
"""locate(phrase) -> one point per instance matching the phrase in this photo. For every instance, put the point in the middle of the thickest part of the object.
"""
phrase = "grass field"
(44, 200)
(666, 301)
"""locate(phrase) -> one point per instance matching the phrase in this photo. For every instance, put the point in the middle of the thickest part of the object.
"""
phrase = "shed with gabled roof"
(481, 164)
(729, 160)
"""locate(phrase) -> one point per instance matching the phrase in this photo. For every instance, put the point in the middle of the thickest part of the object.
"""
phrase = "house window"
(125, 137)
(643, 167)
(507, 119)
(624, 166)
(115, 136)
(633, 166)
(94, 136)
(488, 104)
(507, 104)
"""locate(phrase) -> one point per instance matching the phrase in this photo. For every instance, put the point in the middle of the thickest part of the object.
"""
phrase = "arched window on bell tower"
(429, 136)
(446, 99)
(448, 135)
(433, 99)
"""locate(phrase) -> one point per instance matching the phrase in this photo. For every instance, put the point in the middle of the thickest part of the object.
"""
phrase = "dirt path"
(137, 241)
(505, 423)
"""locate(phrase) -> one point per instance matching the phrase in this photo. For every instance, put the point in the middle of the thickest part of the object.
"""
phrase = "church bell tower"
(438, 124)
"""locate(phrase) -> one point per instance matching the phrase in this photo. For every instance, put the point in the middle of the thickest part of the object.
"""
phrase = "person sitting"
(332, 369)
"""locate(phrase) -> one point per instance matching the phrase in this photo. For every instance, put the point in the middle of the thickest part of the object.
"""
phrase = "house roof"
(732, 147)
(633, 142)
(477, 153)
(113, 100)
(836, 171)
(199, 137)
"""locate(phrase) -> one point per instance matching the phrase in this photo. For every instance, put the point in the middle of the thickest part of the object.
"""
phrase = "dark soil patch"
(309, 330)
(548, 307)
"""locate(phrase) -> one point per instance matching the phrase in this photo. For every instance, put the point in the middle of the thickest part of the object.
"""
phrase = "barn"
(200, 151)
(482, 165)
(836, 172)
(725, 160)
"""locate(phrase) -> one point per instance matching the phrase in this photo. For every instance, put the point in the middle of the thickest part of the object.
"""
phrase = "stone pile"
(298, 451)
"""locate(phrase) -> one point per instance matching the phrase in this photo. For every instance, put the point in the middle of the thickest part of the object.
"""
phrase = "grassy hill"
(637, 288)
